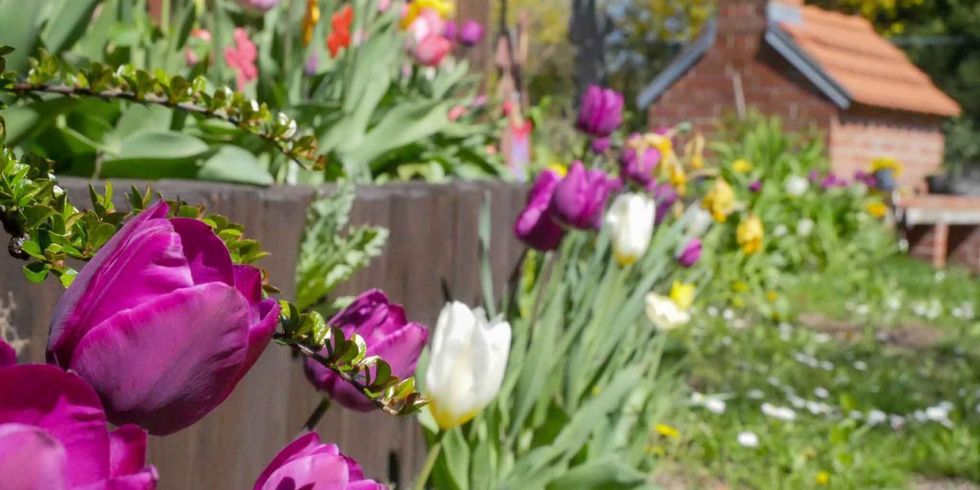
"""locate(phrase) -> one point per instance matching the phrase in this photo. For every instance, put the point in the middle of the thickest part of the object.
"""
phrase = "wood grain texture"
(433, 240)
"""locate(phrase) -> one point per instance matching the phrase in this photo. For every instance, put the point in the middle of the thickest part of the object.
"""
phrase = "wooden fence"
(433, 239)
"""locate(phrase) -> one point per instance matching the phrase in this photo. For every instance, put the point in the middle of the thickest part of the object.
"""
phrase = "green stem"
(317, 414)
(430, 462)
(165, 17)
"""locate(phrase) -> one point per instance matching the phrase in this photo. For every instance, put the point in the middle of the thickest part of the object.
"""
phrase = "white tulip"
(698, 221)
(630, 219)
(664, 312)
(468, 357)
(796, 186)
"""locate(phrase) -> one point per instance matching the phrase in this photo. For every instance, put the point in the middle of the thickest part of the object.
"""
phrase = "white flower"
(757, 394)
(698, 221)
(781, 413)
(876, 417)
(780, 230)
(630, 221)
(712, 310)
(796, 186)
(664, 313)
(805, 227)
(860, 365)
(467, 363)
(821, 392)
(728, 314)
(896, 421)
(715, 405)
(748, 439)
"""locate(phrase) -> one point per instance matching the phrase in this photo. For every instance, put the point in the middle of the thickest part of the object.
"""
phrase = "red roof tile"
(872, 70)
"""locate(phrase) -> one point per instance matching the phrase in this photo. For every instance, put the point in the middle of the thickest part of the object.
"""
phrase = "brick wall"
(964, 245)
(741, 64)
(860, 134)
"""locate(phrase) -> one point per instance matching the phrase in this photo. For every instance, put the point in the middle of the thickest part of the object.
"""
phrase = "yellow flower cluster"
(682, 294)
(720, 200)
(742, 166)
(877, 209)
(749, 234)
(886, 163)
(442, 7)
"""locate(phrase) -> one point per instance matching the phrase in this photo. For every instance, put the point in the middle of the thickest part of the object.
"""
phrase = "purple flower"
(450, 29)
(53, 435)
(306, 463)
(470, 33)
(691, 253)
(312, 65)
(665, 196)
(161, 323)
(755, 186)
(865, 178)
(600, 145)
(831, 181)
(580, 198)
(386, 333)
(535, 226)
(601, 112)
(639, 160)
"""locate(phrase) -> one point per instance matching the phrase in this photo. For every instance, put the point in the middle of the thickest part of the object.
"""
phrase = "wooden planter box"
(433, 239)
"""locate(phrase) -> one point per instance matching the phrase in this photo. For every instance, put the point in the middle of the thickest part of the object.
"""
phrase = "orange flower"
(339, 38)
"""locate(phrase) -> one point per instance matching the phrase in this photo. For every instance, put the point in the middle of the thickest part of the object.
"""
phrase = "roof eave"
(787, 48)
(679, 66)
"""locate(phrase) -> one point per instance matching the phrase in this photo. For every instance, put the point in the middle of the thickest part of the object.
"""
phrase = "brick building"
(810, 67)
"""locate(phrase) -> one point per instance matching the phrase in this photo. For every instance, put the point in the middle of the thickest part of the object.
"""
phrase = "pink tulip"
(241, 58)
(161, 323)
(308, 464)
(431, 50)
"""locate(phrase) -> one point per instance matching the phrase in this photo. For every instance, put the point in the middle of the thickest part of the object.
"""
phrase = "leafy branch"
(51, 75)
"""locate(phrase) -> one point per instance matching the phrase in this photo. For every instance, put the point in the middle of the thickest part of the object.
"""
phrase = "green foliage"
(327, 255)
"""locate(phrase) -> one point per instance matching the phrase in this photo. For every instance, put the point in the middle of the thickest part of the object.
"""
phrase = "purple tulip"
(470, 33)
(53, 435)
(580, 198)
(755, 186)
(691, 253)
(8, 356)
(831, 181)
(638, 161)
(665, 196)
(386, 333)
(600, 145)
(306, 463)
(450, 30)
(535, 226)
(312, 65)
(601, 112)
(161, 323)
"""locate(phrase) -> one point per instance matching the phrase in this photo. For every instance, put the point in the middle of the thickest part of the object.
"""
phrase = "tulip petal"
(207, 255)
(143, 480)
(401, 349)
(248, 280)
(127, 450)
(66, 408)
(260, 333)
(303, 444)
(8, 356)
(142, 261)
(315, 471)
(148, 364)
(31, 459)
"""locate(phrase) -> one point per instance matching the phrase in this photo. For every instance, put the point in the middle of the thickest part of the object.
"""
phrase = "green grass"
(882, 389)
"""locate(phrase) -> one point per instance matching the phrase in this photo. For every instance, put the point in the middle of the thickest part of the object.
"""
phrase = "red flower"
(339, 38)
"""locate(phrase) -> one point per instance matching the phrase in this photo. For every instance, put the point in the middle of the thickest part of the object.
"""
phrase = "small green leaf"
(36, 272)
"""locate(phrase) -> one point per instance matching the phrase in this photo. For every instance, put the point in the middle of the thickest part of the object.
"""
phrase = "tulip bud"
(306, 463)
(601, 111)
(468, 359)
(690, 254)
(431, 50)
(630, 220)
(471, 33)
(580, 197)
(535, 225)
(54, 435)
(749, 234)
(796, 186)
(161, 323)
(386, 333)
(638, 160)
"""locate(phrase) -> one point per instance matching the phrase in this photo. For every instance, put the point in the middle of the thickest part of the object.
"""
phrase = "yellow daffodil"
(877, 209)
(678, 178)
(310, 20)
(682, 294)
(742, 166)
(886, 163)
(695, 151)
(667, 431)
(720, 200)
(661, 142)
(442, 7)
(750, 234)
